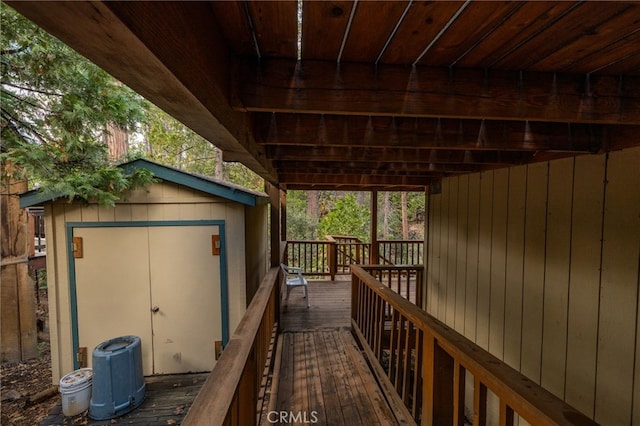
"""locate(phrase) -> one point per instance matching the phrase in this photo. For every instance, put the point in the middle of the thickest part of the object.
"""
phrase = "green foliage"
(300, 224)
(171, 143)
(54, 109)
(346, 217)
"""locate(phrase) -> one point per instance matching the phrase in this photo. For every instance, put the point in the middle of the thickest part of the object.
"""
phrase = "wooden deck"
(330, 307)
(166, 402)
(320, 375)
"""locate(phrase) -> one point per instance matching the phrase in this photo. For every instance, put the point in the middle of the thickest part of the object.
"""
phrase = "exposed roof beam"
(429, 133)
(129, 40)
(318, 166)
(391, 155)
(353, 179)
(282, 85)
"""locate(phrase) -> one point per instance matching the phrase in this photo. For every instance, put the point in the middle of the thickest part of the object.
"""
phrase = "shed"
(175, 264)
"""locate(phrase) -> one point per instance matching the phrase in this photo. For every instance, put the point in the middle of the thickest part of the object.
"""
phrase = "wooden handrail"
(230, 394)
(426, 363)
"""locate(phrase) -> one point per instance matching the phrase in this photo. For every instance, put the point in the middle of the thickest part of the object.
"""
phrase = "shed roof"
(197, 182)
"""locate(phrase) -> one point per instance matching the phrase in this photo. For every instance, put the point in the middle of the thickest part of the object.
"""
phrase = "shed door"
(160, 283)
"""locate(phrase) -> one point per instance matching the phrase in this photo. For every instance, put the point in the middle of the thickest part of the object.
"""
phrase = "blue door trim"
(224, 289)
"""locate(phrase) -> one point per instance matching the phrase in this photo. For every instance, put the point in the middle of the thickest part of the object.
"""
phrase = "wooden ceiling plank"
(604, 60)
(361, 89)
(421, 25)
(276, 27)
(323, 27)
(232, 21)
(363, 44)
(596, 41)
(531, 18)
(474, 23)
(579, 23)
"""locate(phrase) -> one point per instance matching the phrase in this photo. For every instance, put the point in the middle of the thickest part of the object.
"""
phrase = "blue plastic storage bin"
(118, 381)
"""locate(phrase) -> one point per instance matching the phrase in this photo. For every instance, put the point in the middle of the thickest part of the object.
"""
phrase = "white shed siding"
(161, 202)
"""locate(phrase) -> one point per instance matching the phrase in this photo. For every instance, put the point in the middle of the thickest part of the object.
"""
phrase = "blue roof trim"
(168, 174)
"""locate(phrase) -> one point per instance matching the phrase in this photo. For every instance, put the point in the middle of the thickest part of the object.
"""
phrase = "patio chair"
(293, 278)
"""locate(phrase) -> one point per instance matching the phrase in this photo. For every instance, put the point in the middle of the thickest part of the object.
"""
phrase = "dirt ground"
(21, 381)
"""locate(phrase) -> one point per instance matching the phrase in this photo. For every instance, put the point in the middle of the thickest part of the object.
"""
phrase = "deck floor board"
(323, 375)
(167, 401)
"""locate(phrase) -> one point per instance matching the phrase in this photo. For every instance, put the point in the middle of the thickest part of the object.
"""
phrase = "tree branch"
(30, 89)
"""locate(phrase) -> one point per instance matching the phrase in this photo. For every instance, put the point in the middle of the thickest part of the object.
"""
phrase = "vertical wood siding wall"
(162, 202)
(539, 265)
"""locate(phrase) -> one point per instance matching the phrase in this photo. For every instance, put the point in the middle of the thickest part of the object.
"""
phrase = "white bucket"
(75, 391)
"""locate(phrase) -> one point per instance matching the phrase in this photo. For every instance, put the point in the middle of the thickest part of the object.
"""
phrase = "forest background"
(66, 124)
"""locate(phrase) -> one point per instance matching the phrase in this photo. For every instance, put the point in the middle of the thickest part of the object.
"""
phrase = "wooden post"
(374, 252)
(18, 325)
(283, 215)
(333, 259)
(274, 201)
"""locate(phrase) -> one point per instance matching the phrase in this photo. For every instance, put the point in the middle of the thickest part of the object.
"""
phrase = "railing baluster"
(506, 414)
(393, 342)
(417, 374)
(479, 403)
(458, 394)
(407, 363)
(400, 356)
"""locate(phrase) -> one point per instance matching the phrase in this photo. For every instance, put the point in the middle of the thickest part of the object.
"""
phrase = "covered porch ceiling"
(373, 95)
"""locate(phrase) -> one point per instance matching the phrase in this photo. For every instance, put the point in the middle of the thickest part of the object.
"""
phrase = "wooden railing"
(230, 394)
(335, 255)
(423, 364)
(349, 251)
(406, 280)
(400, 252)
(314, 257)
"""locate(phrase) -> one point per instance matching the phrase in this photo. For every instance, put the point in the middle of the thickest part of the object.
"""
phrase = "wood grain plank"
(434, 272)
(484, 259)
(333, 412)
(314, 383)
(346, 391)
(584, 283)
(514, 265)
(462, 251)
(300, 387)
(498, 262)
(444, 250)
(452, 251)
(473, 233)
(276, 27)
(371, 396)
(618, 289)
(363, 45)
(286, 373)
(556, 288)
(324, 25)
(534, 259)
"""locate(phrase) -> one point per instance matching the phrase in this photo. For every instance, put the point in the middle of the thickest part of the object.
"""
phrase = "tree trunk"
(386, 212)
(218, 172)
(405, 222)
(117, 140)
(313, 212)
